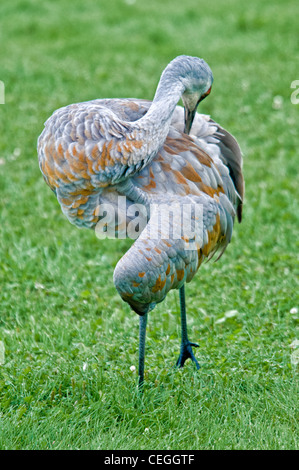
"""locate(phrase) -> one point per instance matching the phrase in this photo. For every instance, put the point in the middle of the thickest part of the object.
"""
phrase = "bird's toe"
(187, 353)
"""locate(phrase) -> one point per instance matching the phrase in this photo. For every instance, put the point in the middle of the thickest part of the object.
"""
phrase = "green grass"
(66, 381)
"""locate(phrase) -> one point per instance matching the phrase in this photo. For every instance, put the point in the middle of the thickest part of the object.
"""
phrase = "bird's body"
(91, 153)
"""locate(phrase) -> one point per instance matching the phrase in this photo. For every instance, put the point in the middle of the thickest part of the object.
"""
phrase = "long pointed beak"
(189, 116)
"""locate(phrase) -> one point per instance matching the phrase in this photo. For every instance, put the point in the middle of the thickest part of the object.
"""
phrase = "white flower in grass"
(229, 314)
(277, 102)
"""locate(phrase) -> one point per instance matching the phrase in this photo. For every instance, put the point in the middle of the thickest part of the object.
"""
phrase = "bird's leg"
(186, 347)
(138, 197)
(142, 335)
(132, 192)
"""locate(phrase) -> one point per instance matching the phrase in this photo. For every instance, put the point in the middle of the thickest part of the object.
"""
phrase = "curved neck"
(167, 95)
(152, 129)
(148, 134)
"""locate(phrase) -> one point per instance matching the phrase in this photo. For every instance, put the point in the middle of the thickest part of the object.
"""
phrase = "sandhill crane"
(153, 153)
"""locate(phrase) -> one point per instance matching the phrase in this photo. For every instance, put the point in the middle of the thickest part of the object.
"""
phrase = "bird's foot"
(187, 353)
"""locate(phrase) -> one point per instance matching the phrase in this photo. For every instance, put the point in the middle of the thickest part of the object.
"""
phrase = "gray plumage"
(157, 154)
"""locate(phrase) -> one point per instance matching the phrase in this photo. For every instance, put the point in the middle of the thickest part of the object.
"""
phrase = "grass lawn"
(68, 343)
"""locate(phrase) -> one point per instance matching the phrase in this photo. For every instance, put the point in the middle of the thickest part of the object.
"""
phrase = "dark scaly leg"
(186, 347)
(142, 336)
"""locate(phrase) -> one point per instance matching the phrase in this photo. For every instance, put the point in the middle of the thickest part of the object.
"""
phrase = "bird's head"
(197, 78)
